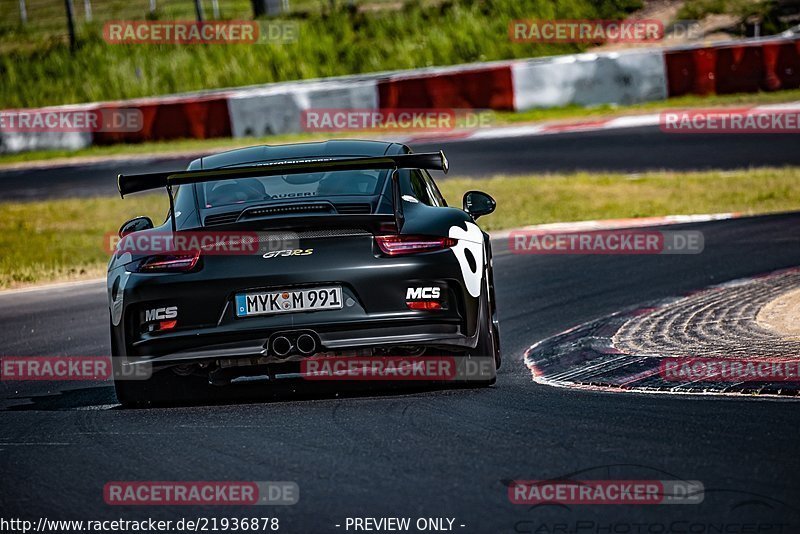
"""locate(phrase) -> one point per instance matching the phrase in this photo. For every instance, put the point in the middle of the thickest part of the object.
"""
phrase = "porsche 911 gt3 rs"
(341, 248)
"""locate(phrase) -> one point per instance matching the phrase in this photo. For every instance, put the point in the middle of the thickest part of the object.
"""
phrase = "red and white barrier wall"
(767, 65)
(589, 79)
(278, 108)
(583, 79)
(171, 117)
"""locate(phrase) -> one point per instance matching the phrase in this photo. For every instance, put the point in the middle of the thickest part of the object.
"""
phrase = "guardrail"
(628, 77)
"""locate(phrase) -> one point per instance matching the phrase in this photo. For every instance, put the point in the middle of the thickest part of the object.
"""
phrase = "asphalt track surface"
(423, 453)
(623, 150)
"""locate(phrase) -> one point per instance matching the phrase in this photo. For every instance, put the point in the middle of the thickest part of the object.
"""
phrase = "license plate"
(289, 301)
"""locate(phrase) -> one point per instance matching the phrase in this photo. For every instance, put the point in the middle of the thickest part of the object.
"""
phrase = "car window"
(419, 188)
(292, 187)
(433, 191)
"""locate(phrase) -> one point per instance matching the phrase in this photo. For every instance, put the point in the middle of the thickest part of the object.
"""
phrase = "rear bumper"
(375, 291)
(171, 349)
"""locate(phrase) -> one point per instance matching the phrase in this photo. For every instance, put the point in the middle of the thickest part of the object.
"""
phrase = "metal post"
(269, 7)
(198, 7)
(152, 6)
(70, 23)
(87, 10)
(23, 12)
(215, 8)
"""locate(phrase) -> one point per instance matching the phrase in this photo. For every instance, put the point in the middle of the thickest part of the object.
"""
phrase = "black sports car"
(335, 249)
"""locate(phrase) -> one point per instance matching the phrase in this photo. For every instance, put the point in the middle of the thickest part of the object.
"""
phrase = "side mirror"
(478, 203)
(135, 225)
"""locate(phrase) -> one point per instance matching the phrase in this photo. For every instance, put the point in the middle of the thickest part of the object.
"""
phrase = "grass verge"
(330, 42)
(60, 240)
(500, 119)
(63, 239)
(584, 196)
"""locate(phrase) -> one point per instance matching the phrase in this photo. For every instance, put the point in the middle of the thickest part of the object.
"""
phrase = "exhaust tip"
(306, 344)
(281, 346)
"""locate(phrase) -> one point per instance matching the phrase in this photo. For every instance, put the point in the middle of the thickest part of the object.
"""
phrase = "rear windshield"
(292, 186)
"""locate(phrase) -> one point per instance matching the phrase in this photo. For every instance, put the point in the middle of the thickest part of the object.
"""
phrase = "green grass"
(688, 101)
(584, 196)
(63, 239)
(500, 118)
(331, 42)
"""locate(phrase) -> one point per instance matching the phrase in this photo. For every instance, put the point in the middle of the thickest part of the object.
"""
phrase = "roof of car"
(262, 153)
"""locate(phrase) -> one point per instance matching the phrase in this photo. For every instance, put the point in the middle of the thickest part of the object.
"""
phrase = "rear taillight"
(423, 305)
(397, 245)
(169, 263)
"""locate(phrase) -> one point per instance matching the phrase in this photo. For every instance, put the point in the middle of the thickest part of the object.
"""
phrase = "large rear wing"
(135, 183)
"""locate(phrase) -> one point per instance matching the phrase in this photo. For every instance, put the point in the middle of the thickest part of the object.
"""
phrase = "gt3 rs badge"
(287, 253)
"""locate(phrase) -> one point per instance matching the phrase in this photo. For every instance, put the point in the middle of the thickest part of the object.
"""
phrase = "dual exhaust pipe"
(285, 344)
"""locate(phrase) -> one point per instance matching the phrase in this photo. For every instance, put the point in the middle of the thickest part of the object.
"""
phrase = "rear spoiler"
(135, 183)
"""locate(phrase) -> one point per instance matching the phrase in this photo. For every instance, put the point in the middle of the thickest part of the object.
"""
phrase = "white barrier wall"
(278, 109)
(590, 79)
(12, 142)
(21, 141)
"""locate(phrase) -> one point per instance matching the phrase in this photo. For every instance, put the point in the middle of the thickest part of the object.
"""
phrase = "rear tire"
(486, 350)
(128, 394)
(495, 322)
(163, 387)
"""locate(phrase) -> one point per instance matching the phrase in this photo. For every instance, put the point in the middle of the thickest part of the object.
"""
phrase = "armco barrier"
(278, 108)
(200, 117)
(746, 67)
(582, 79)
(589, 79)
(13, 142)
(466, 88)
